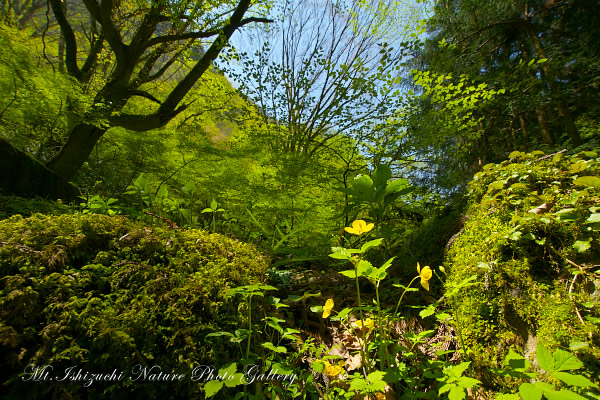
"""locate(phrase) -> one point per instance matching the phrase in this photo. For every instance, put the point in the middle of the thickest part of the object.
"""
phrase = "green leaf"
(457, 370)
(427, 311)
(276, 349)
(227, 370)
(362, 188)
(237, 379)
(496, 185)
(456, 393)
(577, 345)
(516, 361)
(467, 382)
(530, 392)
(594, 218)
(364, 268)
(213, 204)
(545, 359)
(370, 244)
(381, 175)
(582, 245)
(212, 387)
(589, 181)
(567, 214)
(573, 380)
(565, 361)
(350, 273)
(563, 395)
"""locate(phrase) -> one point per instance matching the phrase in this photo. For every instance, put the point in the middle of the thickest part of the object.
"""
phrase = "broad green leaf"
(530, 392)
(427, 311)
(573, 380)
(364, 268)
(370, 244)
(350, 273)
(582, 245)
(468, 382)
(212, 387)
(589, 181)
(567, 214)
(515, 154)
(516, 361)
(578, 345)
(237, 379)
(496, 185)
(543, 386)
(276, 349)
(399, 186)
(213, 204)
(458, 370)
(563, 395)
(565, 361)
(362, 188)
(594, 218)
(456, 393)
(227, 370)
(381, 175)
(545, 359)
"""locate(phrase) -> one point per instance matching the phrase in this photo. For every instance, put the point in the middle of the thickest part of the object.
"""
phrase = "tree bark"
(76, 151)
(22, 175)
(543, 121)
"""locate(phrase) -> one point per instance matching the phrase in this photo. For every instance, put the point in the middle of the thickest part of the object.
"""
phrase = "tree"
(542, 53)
(324, 71)
(142, 42)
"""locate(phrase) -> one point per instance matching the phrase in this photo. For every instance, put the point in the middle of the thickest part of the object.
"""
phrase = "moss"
(13, 205)
(104, 292)
(528, 219)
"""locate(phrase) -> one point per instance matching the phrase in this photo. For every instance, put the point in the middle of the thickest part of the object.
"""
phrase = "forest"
(300, 199)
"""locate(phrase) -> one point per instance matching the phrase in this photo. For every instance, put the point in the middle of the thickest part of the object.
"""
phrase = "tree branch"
(69, 36)
(198, 35)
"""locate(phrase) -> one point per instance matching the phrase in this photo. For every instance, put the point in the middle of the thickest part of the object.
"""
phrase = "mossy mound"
(104, 293)
(532, 241)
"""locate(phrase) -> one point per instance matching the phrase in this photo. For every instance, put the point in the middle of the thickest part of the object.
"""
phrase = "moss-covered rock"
(532, 241)
(104, 293)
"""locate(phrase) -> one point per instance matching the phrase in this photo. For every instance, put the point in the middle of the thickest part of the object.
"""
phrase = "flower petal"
(327, 308)
(351, 230)
(425, 284)
(426, 273)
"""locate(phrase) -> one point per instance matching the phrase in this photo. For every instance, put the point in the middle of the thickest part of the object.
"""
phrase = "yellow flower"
(425, 275)
(443, 269)
(367, 323)
(359, 227)
(327, 308)
(333, 370)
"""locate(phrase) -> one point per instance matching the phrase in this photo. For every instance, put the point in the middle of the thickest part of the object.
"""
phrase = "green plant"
(554, 366)
(375, 194)
(213, 209)
(97, 205)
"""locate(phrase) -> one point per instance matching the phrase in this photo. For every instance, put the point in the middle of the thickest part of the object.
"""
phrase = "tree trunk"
(22, 175)
(543, 121)
(569, 123)
(76, 151)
